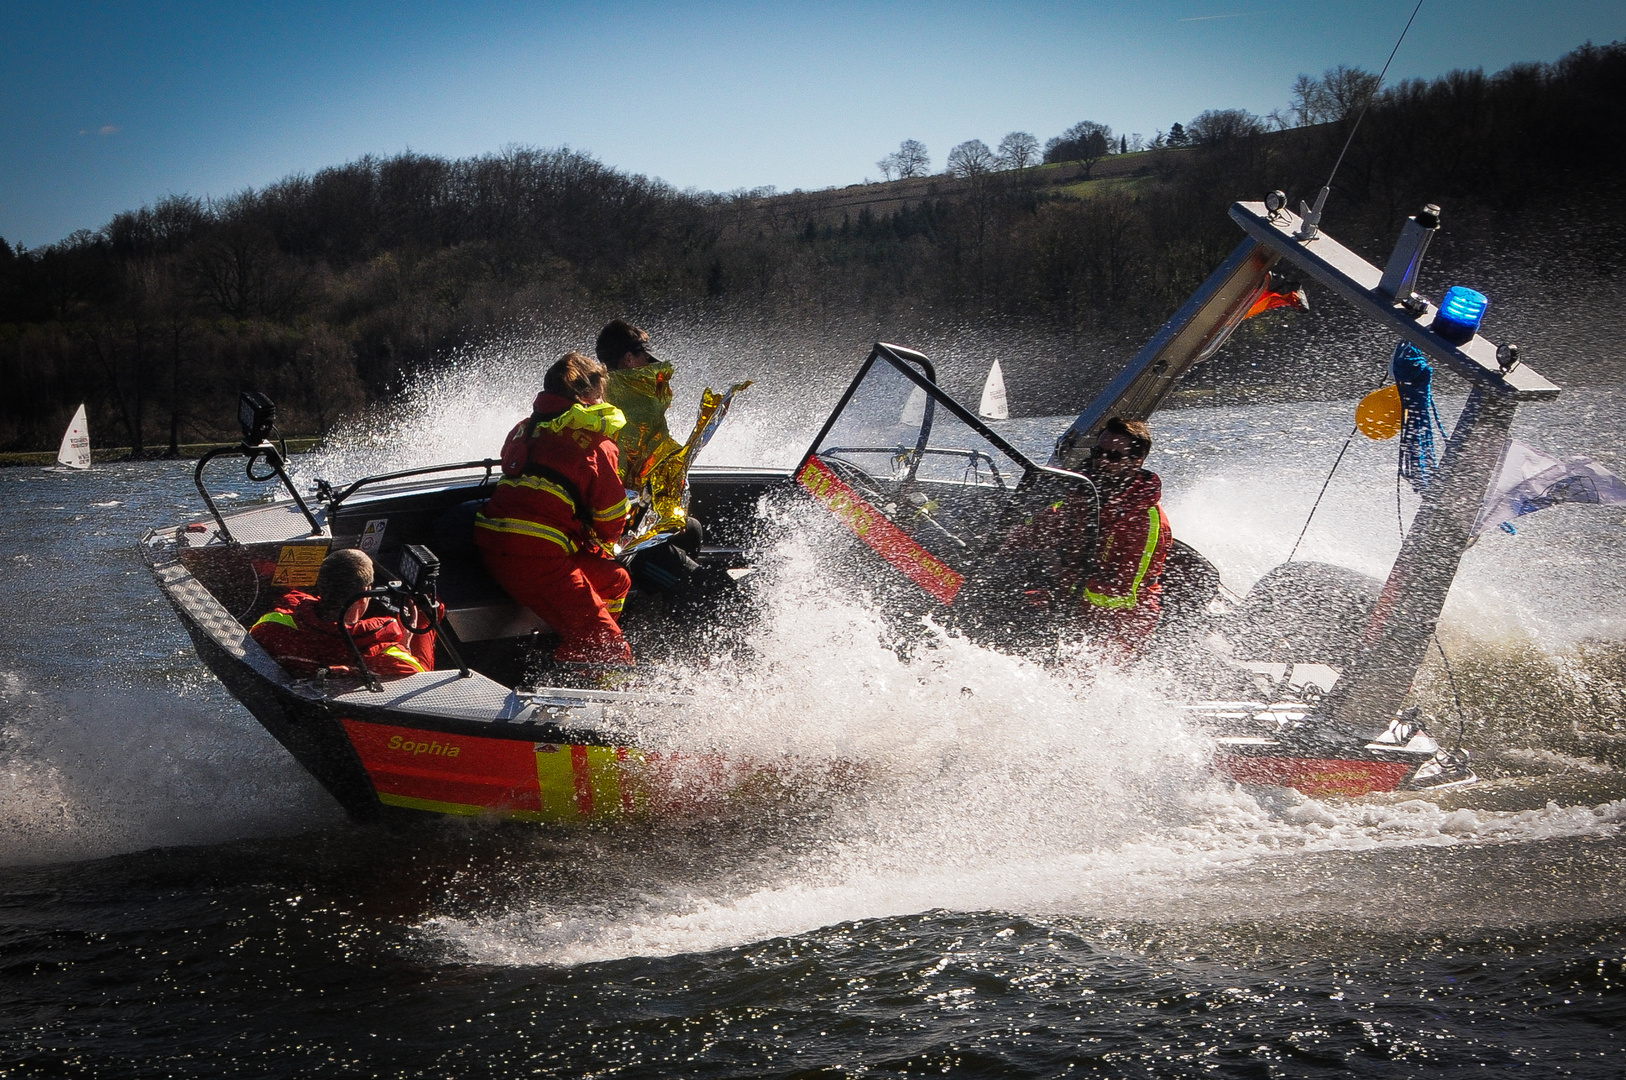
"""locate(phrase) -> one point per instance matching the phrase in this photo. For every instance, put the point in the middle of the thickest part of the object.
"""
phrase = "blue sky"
(105, 107)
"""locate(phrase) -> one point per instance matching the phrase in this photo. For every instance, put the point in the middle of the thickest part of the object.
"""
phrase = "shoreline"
(106, 454)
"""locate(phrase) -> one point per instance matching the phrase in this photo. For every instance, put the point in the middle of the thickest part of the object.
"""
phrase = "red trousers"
(578, 595)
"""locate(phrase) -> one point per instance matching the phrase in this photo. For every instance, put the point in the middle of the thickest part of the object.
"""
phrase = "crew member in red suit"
(303, 633)
(547, 532)
(1119, 593)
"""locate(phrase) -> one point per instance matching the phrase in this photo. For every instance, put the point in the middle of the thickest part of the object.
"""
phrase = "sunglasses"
(1110, 455)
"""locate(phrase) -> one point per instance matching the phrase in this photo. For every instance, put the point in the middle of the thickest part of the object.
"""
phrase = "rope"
(1324, 483)
(1462, 715)
(1400, 515)
(1373, 94)
(1414, 378)
(1330, 472)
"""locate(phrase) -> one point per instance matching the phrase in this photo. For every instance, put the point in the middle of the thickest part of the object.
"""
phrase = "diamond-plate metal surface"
(200, 605)
(445, 693)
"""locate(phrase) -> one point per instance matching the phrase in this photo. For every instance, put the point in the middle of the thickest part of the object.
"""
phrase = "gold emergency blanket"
(665, 496)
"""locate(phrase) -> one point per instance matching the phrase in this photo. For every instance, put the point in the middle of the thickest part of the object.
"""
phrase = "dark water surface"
(1038, 878)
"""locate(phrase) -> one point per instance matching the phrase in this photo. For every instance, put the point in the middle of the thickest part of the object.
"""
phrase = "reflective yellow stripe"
(521, 527)
(1152, 536)
(614, 606)
(281, 618)
(538, 483)
(401, 654)
(616, 511)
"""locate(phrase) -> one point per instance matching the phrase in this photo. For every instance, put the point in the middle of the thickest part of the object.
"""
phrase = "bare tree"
(1340, 92)
(1086, 142)
(912, 159)
(971, 160)
(1018, 150)
(888, 165)
(1219, 126)
(240, 271)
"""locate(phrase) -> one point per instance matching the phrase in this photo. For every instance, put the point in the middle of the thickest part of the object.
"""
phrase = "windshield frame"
(906, 362)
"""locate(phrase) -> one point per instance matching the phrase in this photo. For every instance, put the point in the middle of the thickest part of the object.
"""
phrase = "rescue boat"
(923, 490)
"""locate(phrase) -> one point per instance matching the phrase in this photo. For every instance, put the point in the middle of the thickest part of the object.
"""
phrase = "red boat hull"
(537, 781)
(1317, 776)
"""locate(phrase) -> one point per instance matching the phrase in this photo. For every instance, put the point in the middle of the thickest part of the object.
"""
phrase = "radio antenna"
(1312, 215)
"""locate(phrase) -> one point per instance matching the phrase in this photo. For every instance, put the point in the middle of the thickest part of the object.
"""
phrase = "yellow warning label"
(298, 564)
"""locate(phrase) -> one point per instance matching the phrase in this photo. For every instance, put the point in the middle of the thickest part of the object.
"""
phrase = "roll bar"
(325, 490)
(253, 451)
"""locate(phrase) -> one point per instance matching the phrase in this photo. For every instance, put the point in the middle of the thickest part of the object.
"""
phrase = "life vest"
(302, 641)
(643, 395)
(560, 490)
(1135, 539)
(1127, 568)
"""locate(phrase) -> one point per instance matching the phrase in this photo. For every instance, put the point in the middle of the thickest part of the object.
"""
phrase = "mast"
(1403, 620)
(1195, 333)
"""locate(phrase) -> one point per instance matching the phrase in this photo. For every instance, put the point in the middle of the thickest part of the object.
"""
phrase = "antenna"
(1312, 215)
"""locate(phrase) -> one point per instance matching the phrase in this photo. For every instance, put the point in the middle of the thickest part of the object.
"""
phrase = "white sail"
(75, 450)
(914, 410)
(994, 404)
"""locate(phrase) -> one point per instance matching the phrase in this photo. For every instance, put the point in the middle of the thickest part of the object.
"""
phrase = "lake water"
(1039, 875)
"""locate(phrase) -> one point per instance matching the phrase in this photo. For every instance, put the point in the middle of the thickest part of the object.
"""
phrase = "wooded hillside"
(328, 292)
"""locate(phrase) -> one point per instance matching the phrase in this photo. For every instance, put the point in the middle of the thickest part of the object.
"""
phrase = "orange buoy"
(1378, 415)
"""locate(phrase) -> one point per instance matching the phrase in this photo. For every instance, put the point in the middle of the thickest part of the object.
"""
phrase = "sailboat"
(75, 449)
(994, 405)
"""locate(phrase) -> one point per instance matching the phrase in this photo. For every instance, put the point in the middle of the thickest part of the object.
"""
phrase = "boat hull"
(378, 760)
(541, 779)
(1317, 776)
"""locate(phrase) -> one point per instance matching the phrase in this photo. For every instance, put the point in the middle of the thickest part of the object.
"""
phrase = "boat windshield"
(893, 427)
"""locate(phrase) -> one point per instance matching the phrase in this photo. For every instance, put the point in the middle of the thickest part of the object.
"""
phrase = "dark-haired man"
(1120, 591)
(641, 387)
(305, 631)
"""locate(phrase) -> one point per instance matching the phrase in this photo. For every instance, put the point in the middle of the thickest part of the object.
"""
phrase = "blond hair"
(576, 376)
(343, 574)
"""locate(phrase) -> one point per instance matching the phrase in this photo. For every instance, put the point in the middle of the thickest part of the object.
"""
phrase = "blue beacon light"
(1460, 313)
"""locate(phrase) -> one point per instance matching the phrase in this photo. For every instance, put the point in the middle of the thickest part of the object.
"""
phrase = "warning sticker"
(372, 537)
(298, 565)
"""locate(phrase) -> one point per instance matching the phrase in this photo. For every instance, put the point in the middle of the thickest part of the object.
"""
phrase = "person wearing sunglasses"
(1119, 592)
(1123, 590)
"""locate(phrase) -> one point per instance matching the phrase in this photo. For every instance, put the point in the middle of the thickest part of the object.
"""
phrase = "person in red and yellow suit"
(547, 532)
(1120, 590)
(303, 633)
